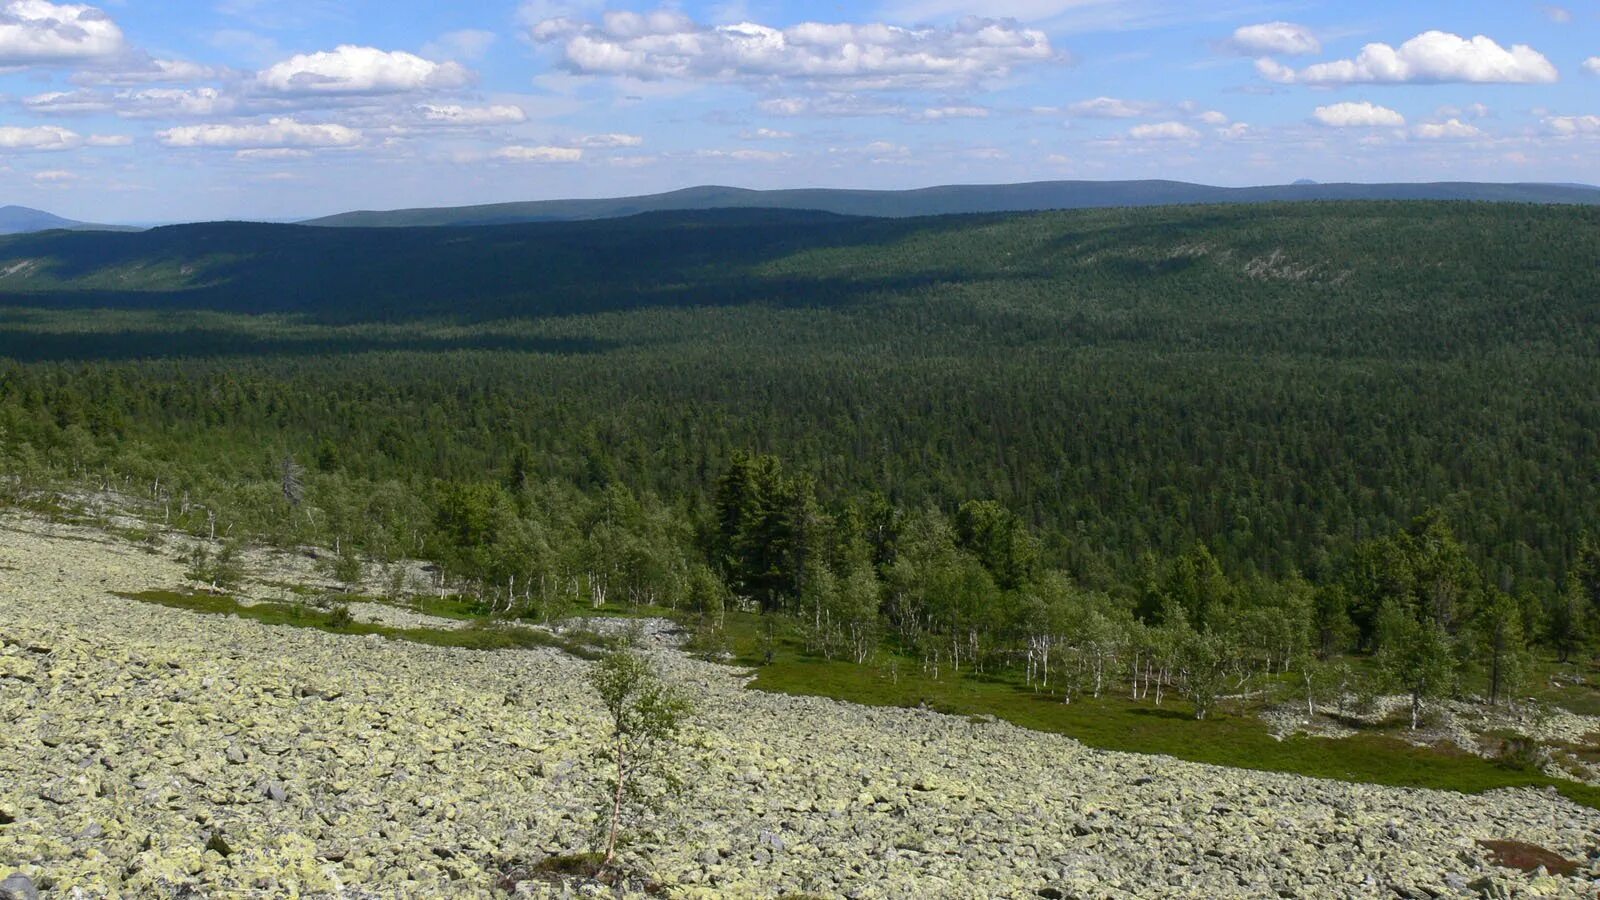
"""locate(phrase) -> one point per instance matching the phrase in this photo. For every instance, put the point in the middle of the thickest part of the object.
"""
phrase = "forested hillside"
(956, 199)
(1211, 408)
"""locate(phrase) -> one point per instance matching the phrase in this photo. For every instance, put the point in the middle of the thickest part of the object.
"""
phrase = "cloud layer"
(668, 44)
(276, 133)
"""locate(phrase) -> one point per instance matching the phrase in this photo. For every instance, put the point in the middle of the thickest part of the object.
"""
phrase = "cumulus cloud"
(274, 133)
(1164, 131)
(1276, 38)
(36, 31)
(471, 116)
(110, 140)
(350, 69)
(765, 134)
(1430, 57)
(1592, 65)
(55, 176)
(38, 137)
(1359, 115)
(1570, 125)
(1213, 117)
(667, 44)
(609, 141)
(1450, 130)
(540, 154)
(1110, 108)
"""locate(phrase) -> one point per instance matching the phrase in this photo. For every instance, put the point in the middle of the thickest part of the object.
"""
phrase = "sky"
(146, 111)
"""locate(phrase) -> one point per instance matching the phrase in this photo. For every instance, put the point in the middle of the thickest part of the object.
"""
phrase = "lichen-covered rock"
(18, 887)
(148, 752)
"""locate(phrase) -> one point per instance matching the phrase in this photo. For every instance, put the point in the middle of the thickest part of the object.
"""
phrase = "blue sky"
(169, 110)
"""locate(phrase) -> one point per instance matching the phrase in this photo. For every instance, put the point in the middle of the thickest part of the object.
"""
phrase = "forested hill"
(22, 220)
(1279, 381)
(958, 199)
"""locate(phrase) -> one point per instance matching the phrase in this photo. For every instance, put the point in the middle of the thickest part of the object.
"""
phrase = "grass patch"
(481, 635)
(1229, 737)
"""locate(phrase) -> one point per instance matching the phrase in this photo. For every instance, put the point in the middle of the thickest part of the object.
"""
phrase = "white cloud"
(1430, 57)
(349, 69)
(540, 154)
(36, 31)
(1451, 130)
(1592, 65)
(133, 104)
(1470, 111)
(1558, 14)
(763, 156)
(110, 140)
(830, 106)
(934, 114)
(38, 137)
(1280, 38)
(1570, 125)
(1213, 117)
(272, 154)
(280, 132)
(1234, 132)
(765, 134)
(1164, 131)
(630, 162)
(66, 103)
(609, 141)
(172, 102)
(667, 44)
(471, 115)
(55, 176)
(1359, 115)
(142, 69)
(1110, 108)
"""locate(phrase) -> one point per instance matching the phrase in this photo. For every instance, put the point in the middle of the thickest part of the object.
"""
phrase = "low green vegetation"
(1235, 736)
(481, 635)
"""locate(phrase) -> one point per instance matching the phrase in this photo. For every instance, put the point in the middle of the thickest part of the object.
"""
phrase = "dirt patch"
(1527, 857)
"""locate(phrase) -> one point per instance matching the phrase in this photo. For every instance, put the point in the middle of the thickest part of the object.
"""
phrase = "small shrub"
(1522, 754)
(708, 642)
(340, 616)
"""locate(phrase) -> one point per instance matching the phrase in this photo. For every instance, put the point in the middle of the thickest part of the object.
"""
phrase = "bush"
(709, 642)
(339, 616)
(1522, 754)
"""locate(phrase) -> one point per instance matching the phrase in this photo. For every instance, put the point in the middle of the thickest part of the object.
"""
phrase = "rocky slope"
(148, 752)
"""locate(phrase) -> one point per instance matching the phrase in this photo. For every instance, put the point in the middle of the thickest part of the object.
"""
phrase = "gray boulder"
(18, 887)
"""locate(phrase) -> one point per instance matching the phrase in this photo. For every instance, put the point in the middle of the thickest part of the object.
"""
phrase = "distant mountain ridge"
(24, 220)
(953, 199)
